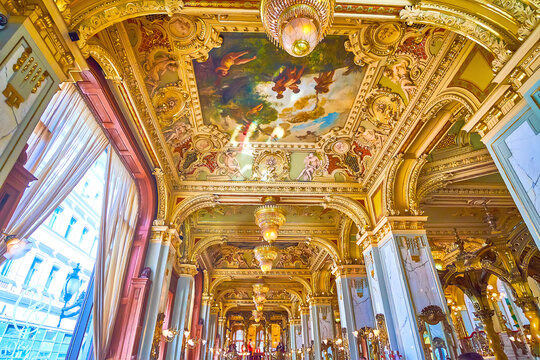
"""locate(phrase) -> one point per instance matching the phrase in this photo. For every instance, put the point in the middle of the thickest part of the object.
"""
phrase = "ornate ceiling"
(381, 119)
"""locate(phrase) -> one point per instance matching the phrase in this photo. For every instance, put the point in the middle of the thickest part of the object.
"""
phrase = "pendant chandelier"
(269, 218)
(266, 254)
(297, 25)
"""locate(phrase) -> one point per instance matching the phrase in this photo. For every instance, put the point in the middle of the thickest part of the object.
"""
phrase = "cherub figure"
(324, 81)
(372, 138)
(162, 64)
(399, 73)
(288, 78)
(232, 58)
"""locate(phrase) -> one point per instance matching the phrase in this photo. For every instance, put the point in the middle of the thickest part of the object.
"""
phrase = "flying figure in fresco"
(232, 58)
(162, 64)
(288, 78)
(255, 110)
(324, 81)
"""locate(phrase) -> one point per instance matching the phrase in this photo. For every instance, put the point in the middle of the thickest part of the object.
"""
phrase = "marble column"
(206, 304)
(354, 302)
(295, 329)
(211, 331)
(321, 314)
(181, 313)
(221, 331)
(160, 257)
(306, 338)
(403, 282)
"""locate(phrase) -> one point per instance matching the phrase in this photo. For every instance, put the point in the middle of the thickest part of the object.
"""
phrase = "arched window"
(83, 193)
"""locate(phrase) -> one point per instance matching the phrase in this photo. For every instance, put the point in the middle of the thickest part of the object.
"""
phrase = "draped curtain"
(74, 144)
(117, 229)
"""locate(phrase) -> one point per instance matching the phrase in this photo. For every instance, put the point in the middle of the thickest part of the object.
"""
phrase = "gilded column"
(486, 316)
(181, 313)
(160, 257)
(529, 305)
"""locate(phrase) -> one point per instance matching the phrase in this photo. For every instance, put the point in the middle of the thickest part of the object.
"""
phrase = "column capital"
(206, 298)
(214, 309)
(295, 321)
(222, 320)
(185, 269)
(398, 224)
(304, 310)
(320, 300)
(527, 303)
(349, 270)
(484, 314)
(165, 235)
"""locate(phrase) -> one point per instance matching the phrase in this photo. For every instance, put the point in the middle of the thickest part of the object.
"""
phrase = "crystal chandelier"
(266, 254)
(297, 25)
(259, 297)
(269, 218)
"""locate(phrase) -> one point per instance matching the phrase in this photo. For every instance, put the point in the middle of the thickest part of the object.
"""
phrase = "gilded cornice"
(320, 300)
(252, 273)
(471, 26)
(349, 271)
(413, 225)
(185, 269)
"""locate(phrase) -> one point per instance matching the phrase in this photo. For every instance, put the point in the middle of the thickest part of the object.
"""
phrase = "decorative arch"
(350, 207)
(479, 27)
(189, 205)
(90, 18)
(302, 281)
(400, 189)
(204, 244)
(329, 247)
(218, 281)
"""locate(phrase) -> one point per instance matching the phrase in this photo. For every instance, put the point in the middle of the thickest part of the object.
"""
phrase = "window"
(72, 223)
(33, 269)
(54, 216)
(6, 267)
(53, 272)
(83, 235)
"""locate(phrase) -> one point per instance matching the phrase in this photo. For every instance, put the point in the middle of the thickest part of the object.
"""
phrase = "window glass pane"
(41, 293)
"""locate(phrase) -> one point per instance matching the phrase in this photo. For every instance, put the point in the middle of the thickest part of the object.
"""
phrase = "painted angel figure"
(399, 73)
(370, 137)
(311, 164)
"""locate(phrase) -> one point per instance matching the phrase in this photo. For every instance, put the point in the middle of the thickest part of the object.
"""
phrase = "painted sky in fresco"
(256, 92)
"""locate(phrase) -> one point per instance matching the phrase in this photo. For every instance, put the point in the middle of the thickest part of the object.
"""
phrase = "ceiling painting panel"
(255, 92)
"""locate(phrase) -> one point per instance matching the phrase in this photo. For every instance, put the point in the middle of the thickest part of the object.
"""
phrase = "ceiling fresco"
(255, 92)
(233, 106)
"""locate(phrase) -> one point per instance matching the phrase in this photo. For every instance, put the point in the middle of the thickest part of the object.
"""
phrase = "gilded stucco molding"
(203, 244)
(412, 182)
(163, 197)
(190, 205)
(94, 19)
(435, 71)
(328, 246)
(389, 185)
(344, 238)
(375, 41)
(462, 23)
(110, 68)
(350, 208)
(526, 16)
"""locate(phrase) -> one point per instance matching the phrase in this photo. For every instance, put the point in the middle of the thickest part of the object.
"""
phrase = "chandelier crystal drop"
(297, 25)
(269, 218)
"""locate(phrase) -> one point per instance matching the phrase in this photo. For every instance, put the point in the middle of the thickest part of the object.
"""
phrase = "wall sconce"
(169, 334)
(16, 247)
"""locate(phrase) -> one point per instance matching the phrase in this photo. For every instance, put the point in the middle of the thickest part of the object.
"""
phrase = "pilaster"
(354, 302)
(182, 309)
(160, 258)
(306, 338)
(322, 326)
(405, 284)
